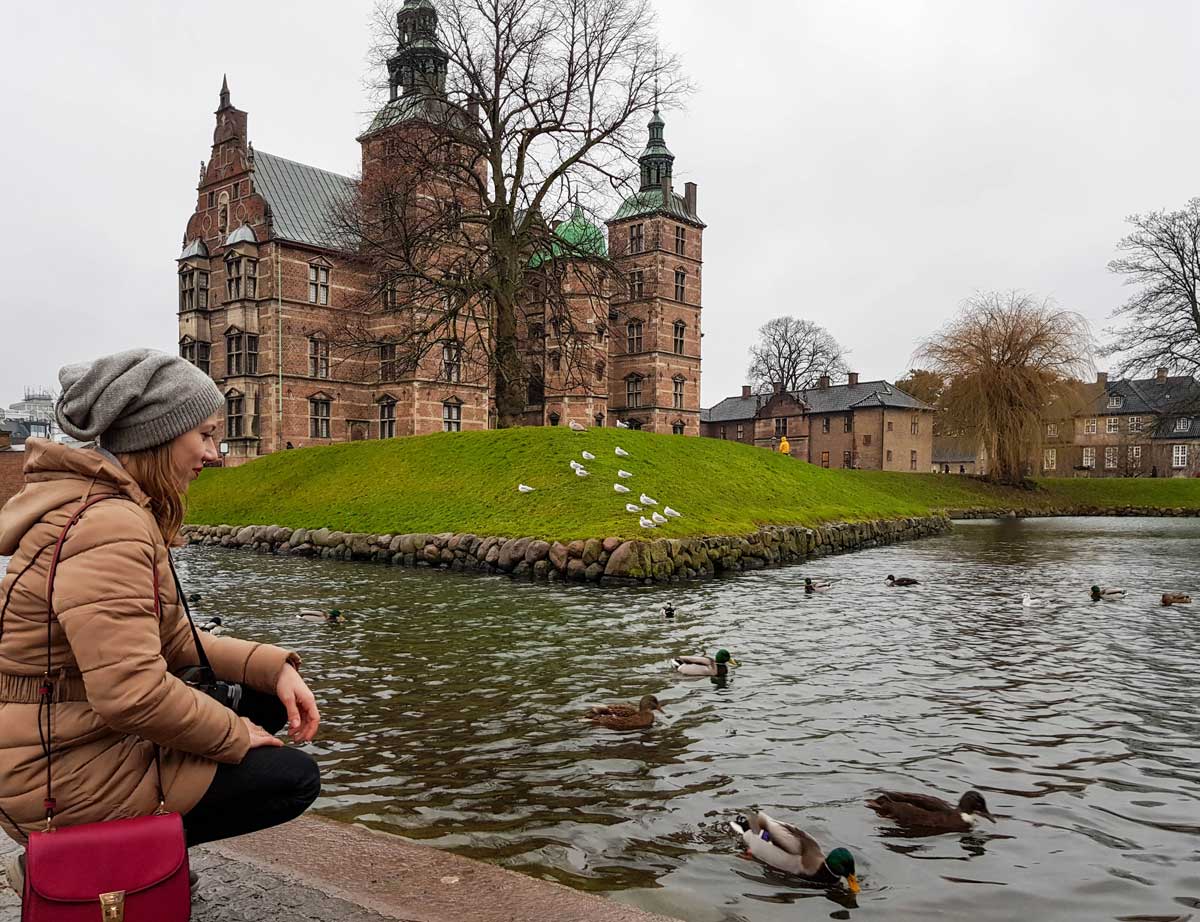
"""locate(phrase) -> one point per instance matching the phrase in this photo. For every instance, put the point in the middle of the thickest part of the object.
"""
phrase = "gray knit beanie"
(135, 399)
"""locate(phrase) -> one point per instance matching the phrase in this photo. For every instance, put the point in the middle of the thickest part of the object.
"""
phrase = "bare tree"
(1162, 258)
(794, 354)
(1008, 358)
(510, 128)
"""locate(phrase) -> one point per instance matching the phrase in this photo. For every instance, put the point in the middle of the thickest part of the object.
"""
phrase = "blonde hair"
(154, 472)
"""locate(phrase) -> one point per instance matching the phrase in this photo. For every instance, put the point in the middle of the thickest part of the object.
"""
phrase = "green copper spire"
(656, 159)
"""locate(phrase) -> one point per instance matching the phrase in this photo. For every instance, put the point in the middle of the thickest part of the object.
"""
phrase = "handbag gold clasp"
(112, 906)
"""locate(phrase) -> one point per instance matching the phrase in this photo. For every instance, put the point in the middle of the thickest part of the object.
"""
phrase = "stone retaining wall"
(596, 560)
(1098, 511)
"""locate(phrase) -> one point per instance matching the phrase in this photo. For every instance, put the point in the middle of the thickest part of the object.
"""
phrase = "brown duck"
(1176, 598)
(924, 811)
(625, 716)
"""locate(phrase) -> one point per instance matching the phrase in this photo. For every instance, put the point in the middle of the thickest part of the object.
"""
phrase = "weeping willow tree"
(1009, 359)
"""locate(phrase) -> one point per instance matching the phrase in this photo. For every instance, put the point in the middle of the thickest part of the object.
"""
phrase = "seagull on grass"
(575, 427)
(620, 488)
(647, 500)
(646, 523)
(588, 456)
(632, 507)
(624, 474)
(524, 488)
(667, 510)
(659, 519)
(580, 472)
(620, 452)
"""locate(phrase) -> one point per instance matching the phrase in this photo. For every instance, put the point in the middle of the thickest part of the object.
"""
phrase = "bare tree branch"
(794, 354)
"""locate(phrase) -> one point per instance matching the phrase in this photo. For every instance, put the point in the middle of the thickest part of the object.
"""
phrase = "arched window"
(554, 417)
(680, 329)
(677, 427)
(452, 415)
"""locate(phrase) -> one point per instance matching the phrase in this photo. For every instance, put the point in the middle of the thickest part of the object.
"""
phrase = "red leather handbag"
(130, 869)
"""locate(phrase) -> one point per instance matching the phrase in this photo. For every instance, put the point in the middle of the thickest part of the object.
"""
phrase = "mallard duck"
(625, 716)
(213, 626)
(320, 617)
(1176, 598)
(790, 849)
(816, 585)
(194, 598)
(705, 665)
(1106, 592)
(924, 811)
(668, 611)
(901, 581)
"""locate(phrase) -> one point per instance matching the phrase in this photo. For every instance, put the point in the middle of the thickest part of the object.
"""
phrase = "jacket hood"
(56, 474)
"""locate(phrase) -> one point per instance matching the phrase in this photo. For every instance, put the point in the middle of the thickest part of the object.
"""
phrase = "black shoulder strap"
(203, 657)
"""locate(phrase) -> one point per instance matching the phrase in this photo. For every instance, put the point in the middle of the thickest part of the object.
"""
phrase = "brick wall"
(11, 476)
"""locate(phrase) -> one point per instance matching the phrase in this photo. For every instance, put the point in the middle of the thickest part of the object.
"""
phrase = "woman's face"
(190, 450)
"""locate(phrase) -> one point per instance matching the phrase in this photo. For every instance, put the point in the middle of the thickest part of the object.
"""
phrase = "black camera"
(202, 679)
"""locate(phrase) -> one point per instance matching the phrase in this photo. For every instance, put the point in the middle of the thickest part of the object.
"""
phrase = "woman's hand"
(303, 718)
(259, 736)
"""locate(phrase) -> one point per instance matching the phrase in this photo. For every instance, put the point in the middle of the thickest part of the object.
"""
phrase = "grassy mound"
(467, 482)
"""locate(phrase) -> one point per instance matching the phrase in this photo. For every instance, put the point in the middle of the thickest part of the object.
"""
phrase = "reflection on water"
(451, 702)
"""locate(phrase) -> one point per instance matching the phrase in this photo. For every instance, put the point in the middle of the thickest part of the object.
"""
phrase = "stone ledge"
(609, 561)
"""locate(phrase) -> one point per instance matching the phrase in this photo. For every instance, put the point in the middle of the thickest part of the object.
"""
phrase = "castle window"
(915, 426)
(387, 361)
(825, 424)
(556, 360)
(680, 239)
(680, 328)
(451, 416)
(680, 284)
(912, 460)
(233, 354)
(452, 362)
(233, 416)
(1089, 426)
(193, 289)
(637, 286)
(677, 392)
(637, 238)
(387, 419)
(241, 277)
(1183, 424)
(212, 199)
(780, 426)
(633, 336)
(251, 343)
(237, 186)
(197, 353)
(318, 357)
(388, 292)
(318, 418)
(554, 418)
(318, 285)
(677, 427)
(633, 391)
(848, 422)
(1112, 424)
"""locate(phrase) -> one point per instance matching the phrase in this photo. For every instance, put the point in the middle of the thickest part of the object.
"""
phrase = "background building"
(871, 425)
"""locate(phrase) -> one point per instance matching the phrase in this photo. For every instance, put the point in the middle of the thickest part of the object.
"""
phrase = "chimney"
(1160, 374)
(666, 189)
(1102, 378)
(823, 382)
(689, 197)
(852, 377)
(746, 390)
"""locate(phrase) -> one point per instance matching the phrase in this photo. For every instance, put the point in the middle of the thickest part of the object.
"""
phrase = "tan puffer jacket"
(113, 656)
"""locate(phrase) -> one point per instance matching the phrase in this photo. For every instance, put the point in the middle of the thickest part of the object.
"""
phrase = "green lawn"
(467, 482)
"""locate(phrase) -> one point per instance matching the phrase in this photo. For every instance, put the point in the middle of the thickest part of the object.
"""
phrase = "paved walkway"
(320, 870)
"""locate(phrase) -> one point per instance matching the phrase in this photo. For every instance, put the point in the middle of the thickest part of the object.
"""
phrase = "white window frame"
(1112, 457)
(318, 284)
(1135, 455)
(1089, 458)
(1051, 430)
(1179, 456)
(1135, 424)
(1050, 459)
(1115, 401)
(1112, 425)
(1183, 424)
(1089, 426)
(387, 419)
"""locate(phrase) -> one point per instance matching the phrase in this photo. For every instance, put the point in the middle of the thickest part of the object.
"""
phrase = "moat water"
(450, 705)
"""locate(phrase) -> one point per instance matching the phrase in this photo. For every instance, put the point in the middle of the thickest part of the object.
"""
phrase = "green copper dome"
(580, 238)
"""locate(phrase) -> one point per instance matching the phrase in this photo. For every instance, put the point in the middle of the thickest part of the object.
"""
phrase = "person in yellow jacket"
(119, 633)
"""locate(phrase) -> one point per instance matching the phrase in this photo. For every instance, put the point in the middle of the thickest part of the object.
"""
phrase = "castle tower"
(654, 357)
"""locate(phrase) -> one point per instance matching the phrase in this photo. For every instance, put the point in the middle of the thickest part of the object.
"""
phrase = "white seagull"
(524, 488)
(1029, 601)
(588, 456)
(580, 472)
(622, 425)
(620, 488)
(575, 427)
(659, 519)
(667, 510)
(621, 452)
(646, 523)
(624, 474)
(647, 500)
(575, 465)
(632, 507)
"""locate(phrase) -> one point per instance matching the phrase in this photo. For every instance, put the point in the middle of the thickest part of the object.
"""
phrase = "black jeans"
(271, 785)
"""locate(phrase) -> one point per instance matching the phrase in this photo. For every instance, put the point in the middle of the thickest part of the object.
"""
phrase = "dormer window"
(1183, 424)
(1115, 401)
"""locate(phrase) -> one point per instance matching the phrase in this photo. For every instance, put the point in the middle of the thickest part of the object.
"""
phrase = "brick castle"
(263, 279)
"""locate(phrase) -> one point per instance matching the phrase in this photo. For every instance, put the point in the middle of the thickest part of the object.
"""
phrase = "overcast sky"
(865, 165)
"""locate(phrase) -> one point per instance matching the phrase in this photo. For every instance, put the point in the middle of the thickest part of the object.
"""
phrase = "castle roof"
(304, 200)
(244, 233)
(580, 237)
(837, 398)
(650, 201)
(195, 247)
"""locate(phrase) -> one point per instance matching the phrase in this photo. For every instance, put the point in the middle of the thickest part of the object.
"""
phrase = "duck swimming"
(625, 716)
(790, 849)
(194, 598)
(924, 811)
(704, 665)
(816, 585)
(213, 626)
(1106, 592)
(901, 581)
(1176, 598)
(668, 611)
(320, 617)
